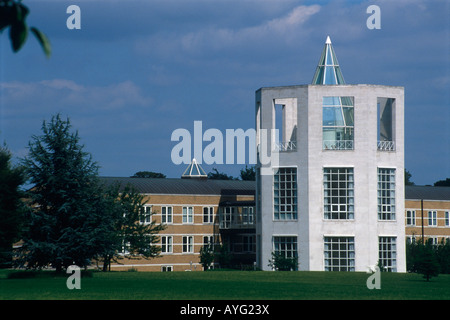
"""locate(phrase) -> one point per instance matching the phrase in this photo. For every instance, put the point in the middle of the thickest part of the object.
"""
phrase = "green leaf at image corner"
(43, 40)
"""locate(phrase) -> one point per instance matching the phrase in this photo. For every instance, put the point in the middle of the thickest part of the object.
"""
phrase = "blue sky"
(138, 70)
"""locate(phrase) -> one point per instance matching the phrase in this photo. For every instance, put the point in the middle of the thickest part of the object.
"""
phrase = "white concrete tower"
(330, 185)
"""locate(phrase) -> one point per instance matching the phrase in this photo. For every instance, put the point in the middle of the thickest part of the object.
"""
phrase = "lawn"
(225, 285)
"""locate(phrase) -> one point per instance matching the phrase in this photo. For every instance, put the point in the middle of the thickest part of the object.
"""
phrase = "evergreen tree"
(11, 206)
(66, 200)
(426, 262)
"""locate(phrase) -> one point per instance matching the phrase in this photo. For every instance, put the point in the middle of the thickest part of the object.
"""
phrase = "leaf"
(18, 33)
(43, 40)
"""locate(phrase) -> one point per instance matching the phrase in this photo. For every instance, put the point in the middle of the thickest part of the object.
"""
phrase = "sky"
(138, 70)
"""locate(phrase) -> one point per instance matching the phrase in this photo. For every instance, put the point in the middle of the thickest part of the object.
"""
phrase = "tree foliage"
(13, 14)
(148, 174)
(11, 206)
(249, 173)
(131, 232)
(282, 263)
(65, 200)
(442, 183)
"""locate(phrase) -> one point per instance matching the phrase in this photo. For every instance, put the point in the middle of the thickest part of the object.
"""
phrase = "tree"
(11, 206)
(65, 201)
(421, 258)
(148, 174)
(219, 175)
(282, 263)
(408, 176)
(13, 14)
(132, 231)
(248, 173)
(442, 183)
(207, 256)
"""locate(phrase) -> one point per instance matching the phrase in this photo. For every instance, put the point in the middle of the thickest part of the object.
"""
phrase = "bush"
(281, 263)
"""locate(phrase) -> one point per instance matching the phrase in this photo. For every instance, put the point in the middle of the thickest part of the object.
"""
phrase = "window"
(339, 253)
(146, 214)
(338, 193)
(286, 246)
(248, 243)
(337, 123)
(247, 215)
(188, 214)
(387, 253)
(208, 214)
(285, 194)
(166, 214)
(166, 268)
(226, 217)
(410, 217)
(447, 218)
(208, 240)
(385, 128)
(166, 244)
(386, 194)
(188, 244)
(432, 218)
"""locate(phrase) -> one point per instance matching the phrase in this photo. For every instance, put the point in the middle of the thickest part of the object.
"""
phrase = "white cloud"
(63, 94)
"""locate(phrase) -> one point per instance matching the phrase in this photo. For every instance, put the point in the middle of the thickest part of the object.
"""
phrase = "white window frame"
(166, 268)
(285, 198)
(188, 215)
(166, 244)
(447, 218)
(188, 244)
(167, 214)
(333, 208)
(432, 218)
(339, 253)
(147, 214)
(410, 217)
(208, 215)
(387, 252)
(386, 193)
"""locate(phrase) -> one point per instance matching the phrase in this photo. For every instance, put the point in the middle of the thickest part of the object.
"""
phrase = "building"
(196, 211)
(427, 213)
(332, 193)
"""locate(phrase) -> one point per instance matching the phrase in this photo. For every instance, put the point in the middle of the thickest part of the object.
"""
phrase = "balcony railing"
(286, 146)
(386, 145)
(338, 145)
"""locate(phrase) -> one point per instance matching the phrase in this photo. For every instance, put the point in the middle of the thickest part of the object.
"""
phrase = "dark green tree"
(408, 181)
(148, 174)
(219, 175)
(11, 206)
(207, 256)
(248, 173)
(13, 14)
(65, 200)
(426, 262)
(129, 230)
(282, 263)
(442, 183)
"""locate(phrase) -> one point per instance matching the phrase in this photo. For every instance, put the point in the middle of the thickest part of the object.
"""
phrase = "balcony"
(337, 144)
(386, 146)
(286, 146)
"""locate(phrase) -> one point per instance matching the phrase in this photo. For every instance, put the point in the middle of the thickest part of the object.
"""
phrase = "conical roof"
(328, 70)
(194, 170)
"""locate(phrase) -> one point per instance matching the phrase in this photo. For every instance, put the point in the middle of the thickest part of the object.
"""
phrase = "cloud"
(57, 94)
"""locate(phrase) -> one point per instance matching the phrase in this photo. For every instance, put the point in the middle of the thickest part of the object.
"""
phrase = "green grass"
(225, 285)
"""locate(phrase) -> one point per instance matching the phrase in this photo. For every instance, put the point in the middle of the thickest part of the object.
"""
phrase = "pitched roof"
(328, 70)
(427, 193)
(185, 186)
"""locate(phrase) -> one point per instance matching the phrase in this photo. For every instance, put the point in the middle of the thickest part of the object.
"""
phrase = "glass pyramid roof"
(194, 170)
(328, 70)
